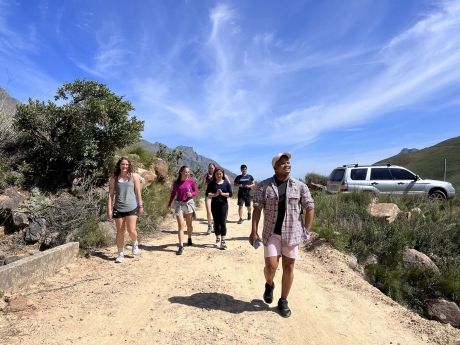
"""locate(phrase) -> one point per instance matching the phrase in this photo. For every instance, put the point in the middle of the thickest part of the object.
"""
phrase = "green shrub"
(343, 220)
(145, 158)
(155, 200)
(316, 178)
(77, 133)
(90, 235)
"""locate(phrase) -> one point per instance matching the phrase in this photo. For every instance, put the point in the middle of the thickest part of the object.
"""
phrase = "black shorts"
(118, 214)
(244, 199)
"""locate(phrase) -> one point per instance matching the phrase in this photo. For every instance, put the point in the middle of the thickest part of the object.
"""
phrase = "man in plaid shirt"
(282, 198)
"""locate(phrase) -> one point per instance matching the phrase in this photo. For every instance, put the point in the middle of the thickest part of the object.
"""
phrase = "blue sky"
(333, 82)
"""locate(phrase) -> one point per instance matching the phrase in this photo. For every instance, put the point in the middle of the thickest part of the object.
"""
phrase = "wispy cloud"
(413, 66)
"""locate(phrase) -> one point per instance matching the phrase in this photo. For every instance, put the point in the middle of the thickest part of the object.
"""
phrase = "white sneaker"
(218, 243)
(136, 250)
(120, 258)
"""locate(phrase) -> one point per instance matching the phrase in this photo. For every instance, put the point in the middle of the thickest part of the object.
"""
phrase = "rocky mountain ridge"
(189, 156)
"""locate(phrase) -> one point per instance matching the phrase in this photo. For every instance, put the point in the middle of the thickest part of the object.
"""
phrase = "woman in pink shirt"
(183, 190)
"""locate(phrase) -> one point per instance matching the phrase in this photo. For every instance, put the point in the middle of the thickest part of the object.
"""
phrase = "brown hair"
(117, 170)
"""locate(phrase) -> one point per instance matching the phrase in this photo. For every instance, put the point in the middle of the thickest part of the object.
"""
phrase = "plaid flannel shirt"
(297, 193)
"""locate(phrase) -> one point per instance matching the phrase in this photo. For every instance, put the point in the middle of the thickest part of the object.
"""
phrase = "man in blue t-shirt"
(245, 182)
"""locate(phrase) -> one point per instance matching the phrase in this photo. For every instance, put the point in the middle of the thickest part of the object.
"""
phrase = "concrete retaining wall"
(36, 267)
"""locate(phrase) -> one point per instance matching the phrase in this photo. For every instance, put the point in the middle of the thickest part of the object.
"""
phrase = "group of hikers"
(286, 202)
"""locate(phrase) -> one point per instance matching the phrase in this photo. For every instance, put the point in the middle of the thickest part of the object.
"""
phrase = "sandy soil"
(211, 296)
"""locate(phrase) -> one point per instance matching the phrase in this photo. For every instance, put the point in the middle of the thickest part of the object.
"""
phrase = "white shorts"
(184, 207)
(275, 247)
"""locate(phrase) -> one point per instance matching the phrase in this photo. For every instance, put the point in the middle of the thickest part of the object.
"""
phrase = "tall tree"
(77, 134)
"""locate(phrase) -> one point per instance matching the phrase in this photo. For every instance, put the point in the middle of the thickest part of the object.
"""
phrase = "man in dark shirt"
(245, 182)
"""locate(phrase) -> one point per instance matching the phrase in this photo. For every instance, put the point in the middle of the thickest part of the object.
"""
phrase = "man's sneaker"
(268, 293)
(240, 221)
(209, 229)
(180, 251)
(120, 258)
(218, 243)
(223, 245)
(189, 242)
(249, 216)
(136, 250)
(284, 308)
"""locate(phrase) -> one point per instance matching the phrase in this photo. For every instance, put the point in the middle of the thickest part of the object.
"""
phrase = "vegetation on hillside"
(429, 162)
(76, 135)
(343, 220)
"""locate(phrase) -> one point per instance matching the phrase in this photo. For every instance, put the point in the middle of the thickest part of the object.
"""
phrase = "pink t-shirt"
(180, 190)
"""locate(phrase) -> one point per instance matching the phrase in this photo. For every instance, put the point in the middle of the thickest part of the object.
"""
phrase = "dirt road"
(211, 296)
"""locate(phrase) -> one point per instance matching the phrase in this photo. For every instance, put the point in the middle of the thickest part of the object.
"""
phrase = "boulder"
(147, 177)
(160, 167)
(414, 258)
(11, 199)
(35, 231)
(372, 259)
(108, 229)
(51, 239)
(353, 262)
(20, 219)
(384, 210)
(444, 311)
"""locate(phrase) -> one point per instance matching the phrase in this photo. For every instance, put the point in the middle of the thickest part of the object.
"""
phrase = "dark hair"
(243, 166)
(209, 165)
(117, 170)
(215, 171)
(182, 168)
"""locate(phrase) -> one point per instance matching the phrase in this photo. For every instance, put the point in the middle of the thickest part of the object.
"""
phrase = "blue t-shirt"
(245, 180)
(225, 187)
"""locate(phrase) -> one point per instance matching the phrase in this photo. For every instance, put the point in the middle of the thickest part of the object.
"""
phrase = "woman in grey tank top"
(125, 204)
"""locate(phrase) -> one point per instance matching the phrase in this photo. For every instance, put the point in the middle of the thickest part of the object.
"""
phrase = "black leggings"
(219, 212)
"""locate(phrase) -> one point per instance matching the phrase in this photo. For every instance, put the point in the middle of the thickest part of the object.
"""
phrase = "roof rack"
(351, 165)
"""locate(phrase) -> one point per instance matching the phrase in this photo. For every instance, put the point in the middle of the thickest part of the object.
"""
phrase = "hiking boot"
(223, 245)
(135, 249)
(189, 242)
(268, 293)
(180, 250)
(240, 221)
(209, 229)
(120, 258)
(249, 216)
(284, 308)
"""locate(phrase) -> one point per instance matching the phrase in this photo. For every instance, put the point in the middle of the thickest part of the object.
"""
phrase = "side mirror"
(416, 178)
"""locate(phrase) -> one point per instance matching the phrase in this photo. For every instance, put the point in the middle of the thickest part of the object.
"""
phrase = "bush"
(344, 221)
(91, 236)
(78, 134)
(155, 200)
(144, 157)
(315, 178)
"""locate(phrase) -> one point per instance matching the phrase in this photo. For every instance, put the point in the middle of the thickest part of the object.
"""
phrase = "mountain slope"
(7, 103)
(189, 157)
(429, 162)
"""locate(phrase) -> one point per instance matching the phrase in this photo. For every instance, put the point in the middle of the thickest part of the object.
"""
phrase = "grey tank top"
(125, 198)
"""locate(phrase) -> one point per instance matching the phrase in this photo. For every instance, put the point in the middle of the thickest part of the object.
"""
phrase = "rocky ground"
(210, 296)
